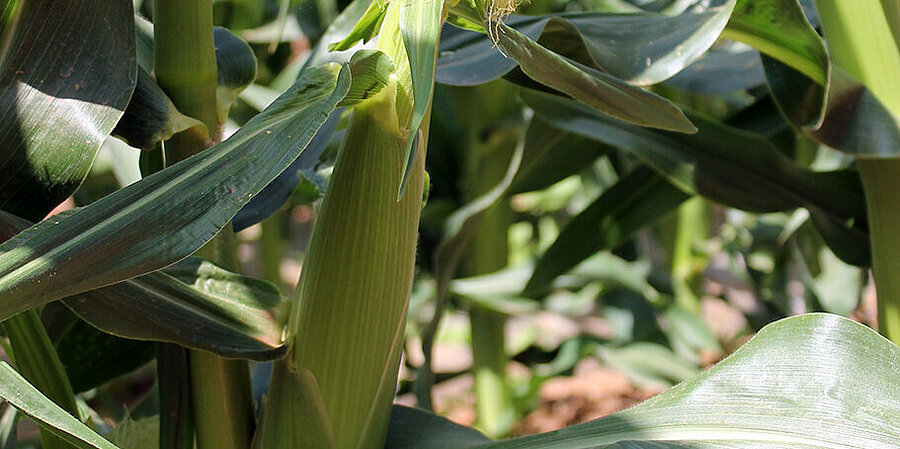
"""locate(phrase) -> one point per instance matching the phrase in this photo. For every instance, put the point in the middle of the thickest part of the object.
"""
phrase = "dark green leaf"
(637, 48)
(593, 88)
(192, 303)
(92, 358)
(734, 167)
(849, 117)
(166, 216)
(552, 155)
(195, 304)
(807, 382)
(638, 200)
(413, 428)
(70, 64)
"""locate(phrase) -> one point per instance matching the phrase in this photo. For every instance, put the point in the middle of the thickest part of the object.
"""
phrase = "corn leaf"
(192, 303)
(593, 88)
(420, 26)
(55, 65)
(164, 217)
(366, 28)
(195, 304)
(23, 396)
(638, 200)
(734, 167)
(806, 382)
(827, 103)
(412, 428)
(779, 28)
(640, 49)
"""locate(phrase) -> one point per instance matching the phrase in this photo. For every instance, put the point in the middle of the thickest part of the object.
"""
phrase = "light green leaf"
(164, 217)
(68, 63)
(366, 28)
(420, 26)
(593, 88)
(371, 71)
(779, 28)
(23, 396)
(807, 382)
(638, 200)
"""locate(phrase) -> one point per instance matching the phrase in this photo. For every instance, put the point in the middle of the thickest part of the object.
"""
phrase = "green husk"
(347, 325)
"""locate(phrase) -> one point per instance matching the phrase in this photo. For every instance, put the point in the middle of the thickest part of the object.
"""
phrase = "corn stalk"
(861, 41)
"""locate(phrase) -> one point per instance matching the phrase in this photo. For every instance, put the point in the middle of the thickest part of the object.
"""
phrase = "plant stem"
(488, 149)
(221, 400)
(176, 428)
(861, 41)
(691, 228)
(36, 359)
(185, 66)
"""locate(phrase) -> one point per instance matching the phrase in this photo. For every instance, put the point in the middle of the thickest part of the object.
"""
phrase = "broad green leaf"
(806, 382)
(192, 303)
(734, 167)
(593, 88)
(71, 64)
(727, 67)
(640, 49)
(34, 356)
(195, 304)
(413, 428)
(420, 26)
(23, 396)
(164, 217)
(638, 200)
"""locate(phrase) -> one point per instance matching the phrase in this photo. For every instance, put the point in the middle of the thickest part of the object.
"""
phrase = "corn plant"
(151, 261)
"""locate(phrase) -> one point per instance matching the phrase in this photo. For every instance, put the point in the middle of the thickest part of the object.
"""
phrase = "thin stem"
(860, 41)
(489, 147)
(221, 400)
(185, 66)
(692, 228)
